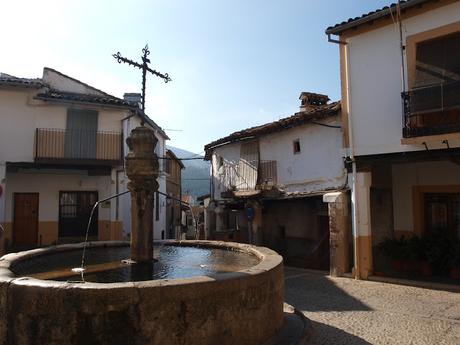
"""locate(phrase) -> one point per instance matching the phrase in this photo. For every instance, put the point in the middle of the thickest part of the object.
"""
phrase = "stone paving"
(348, 311)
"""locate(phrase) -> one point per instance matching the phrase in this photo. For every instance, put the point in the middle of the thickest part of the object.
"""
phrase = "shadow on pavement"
(315, 292)
(325, 334)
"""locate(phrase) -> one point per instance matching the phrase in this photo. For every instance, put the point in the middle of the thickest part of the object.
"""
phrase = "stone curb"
(297, 329)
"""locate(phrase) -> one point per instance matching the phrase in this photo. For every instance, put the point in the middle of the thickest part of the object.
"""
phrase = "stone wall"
(243, 308)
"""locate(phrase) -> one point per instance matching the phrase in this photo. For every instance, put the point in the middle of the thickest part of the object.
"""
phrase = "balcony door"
(81, 134)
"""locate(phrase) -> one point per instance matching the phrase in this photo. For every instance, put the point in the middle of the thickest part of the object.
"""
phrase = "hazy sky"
(234, 63)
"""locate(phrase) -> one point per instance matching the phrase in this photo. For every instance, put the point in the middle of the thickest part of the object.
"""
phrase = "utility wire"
(325, 125)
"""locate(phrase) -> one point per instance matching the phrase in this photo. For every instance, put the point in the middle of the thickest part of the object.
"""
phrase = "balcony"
(74, 146)
(432, 110)
(243, 179)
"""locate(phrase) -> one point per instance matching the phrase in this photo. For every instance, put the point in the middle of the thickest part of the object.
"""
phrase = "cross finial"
(145, 68)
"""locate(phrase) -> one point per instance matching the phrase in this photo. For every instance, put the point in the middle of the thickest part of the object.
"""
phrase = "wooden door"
(25, 224)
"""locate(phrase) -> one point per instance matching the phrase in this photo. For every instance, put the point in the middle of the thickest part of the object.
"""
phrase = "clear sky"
(234, 63)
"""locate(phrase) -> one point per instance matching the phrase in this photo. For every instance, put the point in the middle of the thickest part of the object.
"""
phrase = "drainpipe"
(351, 155)
(354, 208)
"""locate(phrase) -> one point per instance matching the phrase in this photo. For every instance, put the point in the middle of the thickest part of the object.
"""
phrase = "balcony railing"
(242, 176)
(432, 110)
(76, 145)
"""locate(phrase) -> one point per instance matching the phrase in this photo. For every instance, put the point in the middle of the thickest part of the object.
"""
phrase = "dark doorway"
(25, 223)
(74, 211)
(324, 243)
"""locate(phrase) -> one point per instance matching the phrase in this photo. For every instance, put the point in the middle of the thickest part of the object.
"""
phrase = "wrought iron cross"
(144, 67)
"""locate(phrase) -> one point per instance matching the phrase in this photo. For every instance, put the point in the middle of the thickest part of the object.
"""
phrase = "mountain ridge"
(195, 176)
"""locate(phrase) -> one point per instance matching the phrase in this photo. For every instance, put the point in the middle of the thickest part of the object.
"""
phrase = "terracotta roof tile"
(9, 80)
(314, 113)
(56, 95)
(367, 17)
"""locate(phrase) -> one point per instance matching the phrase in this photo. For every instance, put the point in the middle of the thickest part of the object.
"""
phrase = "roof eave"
(338, 29)
(73, 101)
(233, 138)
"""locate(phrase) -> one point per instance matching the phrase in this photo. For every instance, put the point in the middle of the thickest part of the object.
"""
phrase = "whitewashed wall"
(318, 167)
(374, 62)
(21, 115)
(48, 183)
(59, 82)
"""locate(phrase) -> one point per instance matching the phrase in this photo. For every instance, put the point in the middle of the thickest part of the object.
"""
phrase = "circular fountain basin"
(210, 293)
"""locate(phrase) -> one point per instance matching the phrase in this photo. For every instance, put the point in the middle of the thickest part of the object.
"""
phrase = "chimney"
(133, 97)
(310, 100)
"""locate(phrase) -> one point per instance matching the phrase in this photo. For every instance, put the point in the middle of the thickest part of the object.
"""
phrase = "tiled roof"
(56, 95)
(368, 17)
(101, 98)
(11, 81)
(313, 113)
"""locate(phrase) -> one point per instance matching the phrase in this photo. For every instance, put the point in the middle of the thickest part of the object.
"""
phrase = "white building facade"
(268, 182)
(61, 150)
(400, 77)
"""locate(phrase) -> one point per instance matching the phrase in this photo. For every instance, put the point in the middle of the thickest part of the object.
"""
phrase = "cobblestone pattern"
(348, 311)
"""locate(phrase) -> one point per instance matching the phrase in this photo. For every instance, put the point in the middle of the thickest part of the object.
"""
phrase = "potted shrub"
(394, 250)
(413, 252)
(455, 261)
(438, 252)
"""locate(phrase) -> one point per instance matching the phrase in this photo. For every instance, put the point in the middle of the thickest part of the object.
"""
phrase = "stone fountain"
(142, 171)
(206, 301)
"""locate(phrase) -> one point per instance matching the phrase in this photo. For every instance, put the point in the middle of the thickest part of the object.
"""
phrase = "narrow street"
(348, 311)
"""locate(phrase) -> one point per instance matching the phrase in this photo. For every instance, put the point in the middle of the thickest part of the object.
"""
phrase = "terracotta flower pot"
(426, 270)
(397, 265)
(455, 273)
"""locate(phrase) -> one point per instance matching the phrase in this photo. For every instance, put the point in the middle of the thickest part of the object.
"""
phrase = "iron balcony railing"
(77, 145)
(431, 110)
(243, 176)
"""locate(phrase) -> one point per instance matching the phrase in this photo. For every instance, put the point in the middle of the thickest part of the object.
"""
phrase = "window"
(296, 146)
(74, 212)
(442, 214)
(438, 60)
(168, 165)
(432, 103)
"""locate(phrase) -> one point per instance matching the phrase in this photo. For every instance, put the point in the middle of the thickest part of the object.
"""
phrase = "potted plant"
(438, 252)
(455, 261)
(394, 250)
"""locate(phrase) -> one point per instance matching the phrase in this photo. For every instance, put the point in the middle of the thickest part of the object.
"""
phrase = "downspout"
(354, 209)
(351, 155)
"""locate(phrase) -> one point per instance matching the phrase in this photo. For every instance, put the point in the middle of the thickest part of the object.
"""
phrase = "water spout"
(81, 269)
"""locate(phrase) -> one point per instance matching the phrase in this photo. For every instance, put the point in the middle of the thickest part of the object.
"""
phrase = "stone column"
(142, 171)
(362, 231)
(339, 227)
(220, 224)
